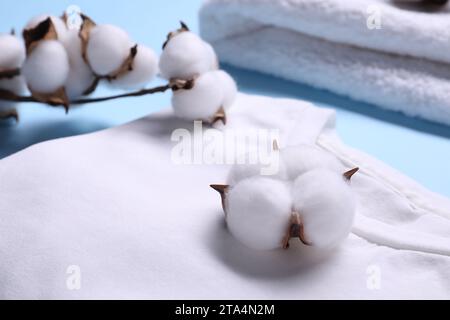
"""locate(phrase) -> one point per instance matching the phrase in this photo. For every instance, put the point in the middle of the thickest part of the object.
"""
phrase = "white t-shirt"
(111, 215)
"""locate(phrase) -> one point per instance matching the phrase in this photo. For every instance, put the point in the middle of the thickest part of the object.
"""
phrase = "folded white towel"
(112, 210)
(404, 66)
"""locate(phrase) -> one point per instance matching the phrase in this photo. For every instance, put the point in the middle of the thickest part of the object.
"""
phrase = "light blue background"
(418, 148)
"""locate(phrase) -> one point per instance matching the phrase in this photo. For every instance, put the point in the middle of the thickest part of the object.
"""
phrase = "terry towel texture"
(404, 66)
(137, 225)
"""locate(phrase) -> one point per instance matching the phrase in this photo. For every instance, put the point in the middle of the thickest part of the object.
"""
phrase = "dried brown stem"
(9, 96)
(139, 93)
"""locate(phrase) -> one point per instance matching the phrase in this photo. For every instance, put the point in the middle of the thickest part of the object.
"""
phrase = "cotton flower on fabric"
(309, 198)
(186, 56)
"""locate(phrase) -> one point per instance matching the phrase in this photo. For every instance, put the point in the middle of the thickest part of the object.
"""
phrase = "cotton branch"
(173, 85)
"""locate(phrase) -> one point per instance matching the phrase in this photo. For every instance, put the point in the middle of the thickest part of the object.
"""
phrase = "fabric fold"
(404, 66)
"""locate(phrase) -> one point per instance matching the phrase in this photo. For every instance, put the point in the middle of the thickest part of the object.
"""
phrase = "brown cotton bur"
(181, 84)
(172, 34)
(222, 190)
(43, 31)
(296, 228)
(220, 115)
(126, 66)
(348, 175)
(32, 37)
(85, 30)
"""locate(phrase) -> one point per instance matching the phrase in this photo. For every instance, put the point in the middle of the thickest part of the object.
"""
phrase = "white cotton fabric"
(404, 66)
(138, 225)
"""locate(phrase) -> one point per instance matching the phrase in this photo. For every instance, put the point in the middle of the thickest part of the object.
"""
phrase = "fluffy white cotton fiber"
(12, 56)
(185, 56)
(12, 52)
(107, 49)
(326, 206)
(200, 102)
(145, 67)
(229, 88)
(80, 76)
(256, 219)
(302, 158)
(211, 91)
(47, 67)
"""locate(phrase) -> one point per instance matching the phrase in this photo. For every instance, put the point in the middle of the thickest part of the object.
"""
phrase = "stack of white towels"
(375, 51)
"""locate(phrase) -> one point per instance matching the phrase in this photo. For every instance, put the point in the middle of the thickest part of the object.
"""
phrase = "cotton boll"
(145, 67)
(107, 49)
(12, 52)
(80, 76)
(258, 212)
(58, 23)
(200, 102)
(47, 67)
(185, 56)
(326, 206)
(302, 158)
(229, 88)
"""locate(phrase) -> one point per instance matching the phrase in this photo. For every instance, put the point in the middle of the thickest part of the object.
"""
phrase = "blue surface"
(418, 148)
